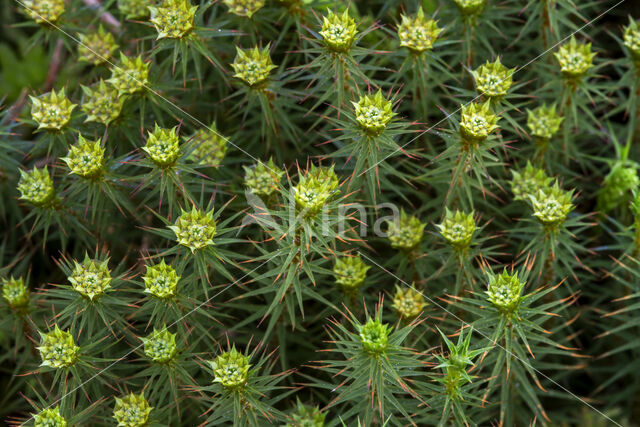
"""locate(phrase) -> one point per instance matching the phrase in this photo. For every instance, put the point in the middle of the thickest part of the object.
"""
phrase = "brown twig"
(105, 16)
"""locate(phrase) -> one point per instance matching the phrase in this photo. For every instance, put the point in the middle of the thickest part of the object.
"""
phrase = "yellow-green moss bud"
(544, 122)
(374, 336)
(58, 349)
(477, 123)
(493, 79)
(96, 48)
(315, 188)
(263, 179)
(252, 66)
(134, 9)
(408, 302)
(469, 7)
(51, 111)
(49, 418)
(458, 228)
(161, 281)
(163, 146)
(504, 291)
(405, 233)
(173, 19)
(350, 272)
(244, 7)
(618, 186)
(306, 416)
(231, 369)
(132, 410)
(528, 182)
(373, 113)
(338, 31)
(631, 39)
(86, 158)
(91, 278)
(36, 187)
(102, 103)
(209, 147)
(160, 345)
(552, 205)
(15, 292)
(131, 76)
(44, 11)
(417, 33)
(575, 58)
(195, 229)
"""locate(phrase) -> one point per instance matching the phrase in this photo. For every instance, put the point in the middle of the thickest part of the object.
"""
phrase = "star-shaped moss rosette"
(493, 79)
(50, 417)
(163, 146)
(209, 146)
(374, 336)
(131, 76)
(575, 59)
(132, 410)
(36, 187)
(96, 48)
(231, 369)
(528, 182)
(544, 122)
(161, 281)
(253, 66)
(195, 229)
(44, 11)
(86, 158)
(173, 19)
(618, 186)
(373, 113)
(408, 302)
(134, 9)
(102, 103)
(315, 188)
(15, 293)
(51, 111)
(160, 346)
(477, 123)
(244, 7)
(417, 33)
(552, 205)
(306, 416)
(350, 272)
(91, 278)
(458, 228)
(631, 39)
(504, 291)
(58, 349)
(338, 31)
(263, 179)
(405, 232)
(469, 7)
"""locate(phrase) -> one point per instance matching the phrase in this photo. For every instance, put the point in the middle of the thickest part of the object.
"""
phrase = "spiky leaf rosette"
(417, 33)
(477, 123)
(253, 66)
(244, 7)
(338, 31)
(102, 103)
(91, 278)
(52, 111)
(131, 75)
(195, 229)
(15, 293)
(458, 228)
(86, 158)
(373, 113)
(97, 48)
(173, 19)
(493, 79)
(36, 187)
(209, 146)
(58, 349)
(350, 273)
(163, 146)
(263, 179)
(314, 189)
(132, 410)
(405, 232)
(160, 346)
(44, 11)
(544, 122)
(49, 417)
(575, 58)
(408, 302)
(161, 281)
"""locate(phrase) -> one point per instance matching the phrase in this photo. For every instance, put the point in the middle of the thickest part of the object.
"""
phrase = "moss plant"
(299, 213)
